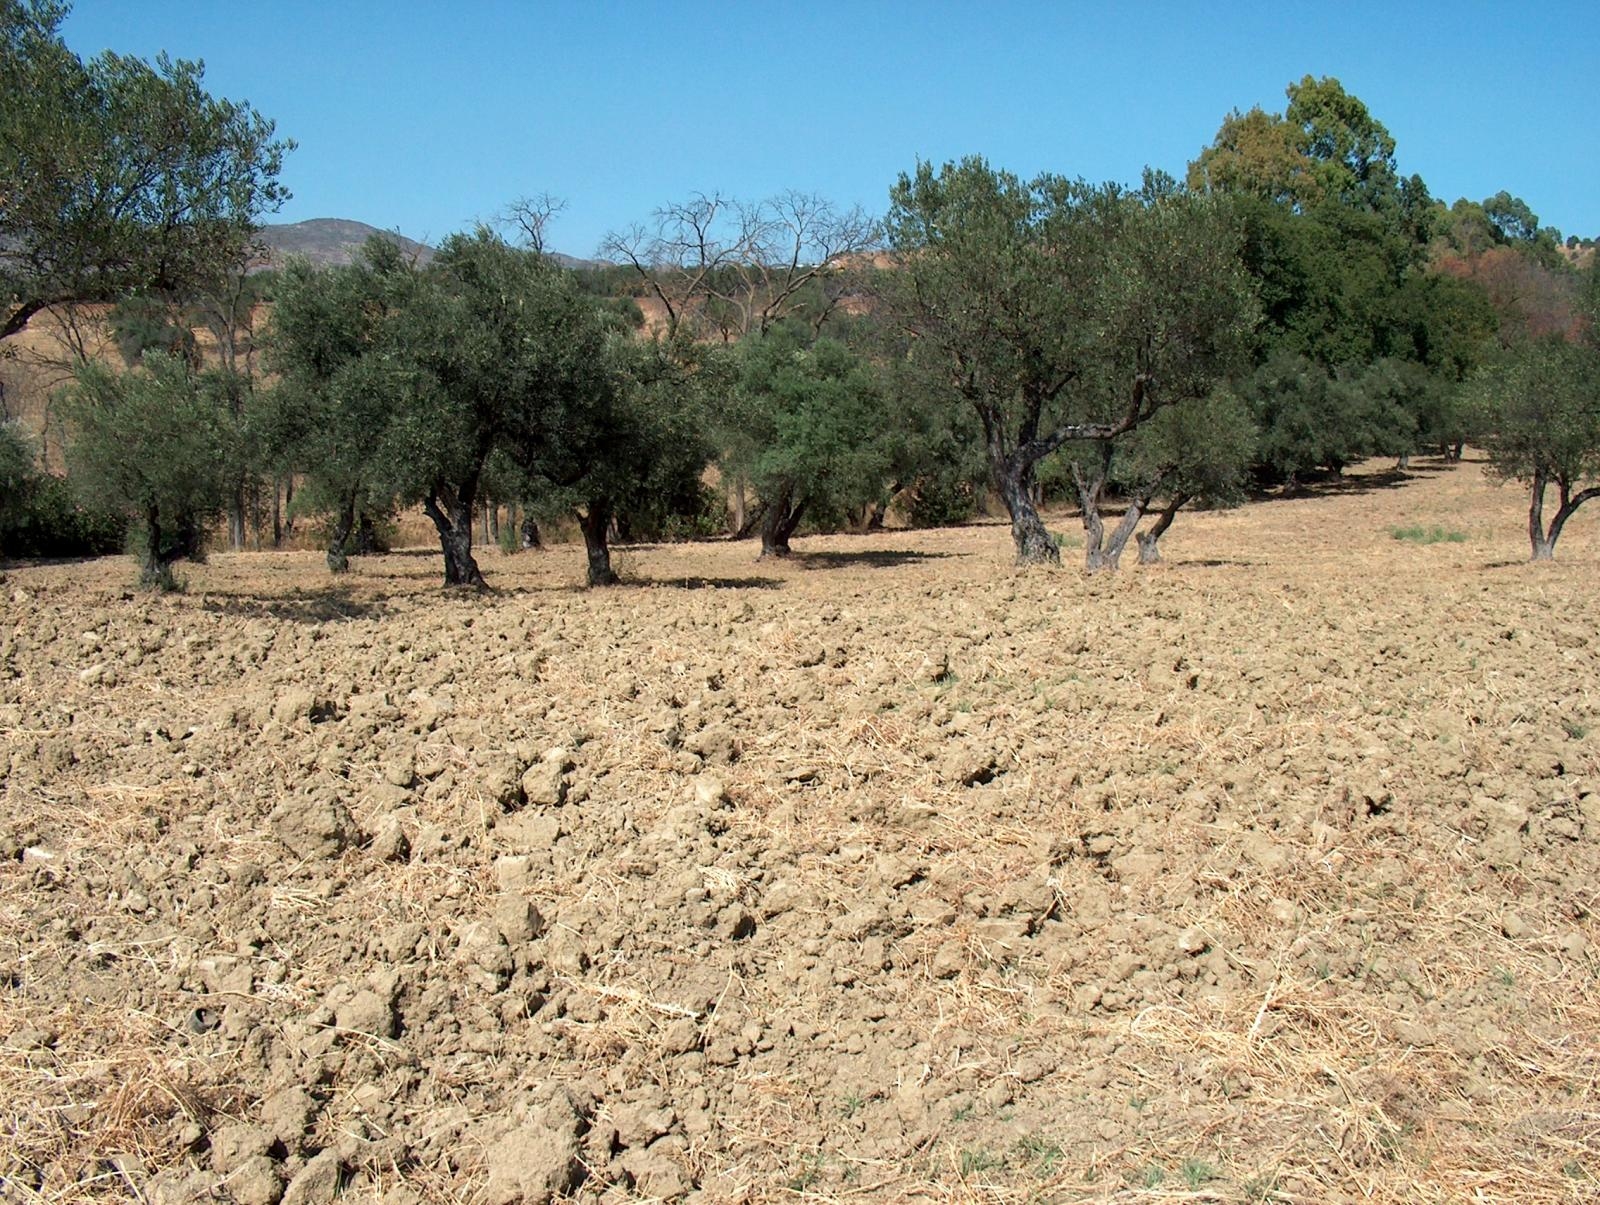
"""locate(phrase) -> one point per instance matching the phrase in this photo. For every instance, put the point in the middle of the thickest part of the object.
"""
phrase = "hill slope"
(331, 241)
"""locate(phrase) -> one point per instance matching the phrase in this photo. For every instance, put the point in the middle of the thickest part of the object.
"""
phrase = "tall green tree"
(496, 347)
(153, 444)
(806, 425)
(1539, 414)
(328, 418)
(1064, 312)
(119, 175)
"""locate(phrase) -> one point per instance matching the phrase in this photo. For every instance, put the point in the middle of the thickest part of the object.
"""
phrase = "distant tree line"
(765, 368)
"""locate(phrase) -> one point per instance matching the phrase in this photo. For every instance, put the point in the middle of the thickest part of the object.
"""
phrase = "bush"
(940, 501)
(44, 519)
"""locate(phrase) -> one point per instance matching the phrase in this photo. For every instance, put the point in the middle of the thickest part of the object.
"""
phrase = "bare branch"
(532, 217)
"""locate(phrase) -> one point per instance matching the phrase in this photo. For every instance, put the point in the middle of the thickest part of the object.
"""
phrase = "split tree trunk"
(1544, 539)
(452, 515)
(154, 573)
(778, 524)
(595, 523)
(236, 523)
(1102, 550)
(1149, 541)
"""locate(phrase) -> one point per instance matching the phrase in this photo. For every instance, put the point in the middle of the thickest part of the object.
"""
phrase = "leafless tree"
(729, 269)
(529, 219)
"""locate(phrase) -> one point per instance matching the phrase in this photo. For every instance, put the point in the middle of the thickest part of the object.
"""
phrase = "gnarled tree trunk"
(530, 533)
(1149, 550)
(778, 523)
(452, 513)
(1015, 481)
(339, 541)
(596, 523)
(236, 523)
(1544, 539)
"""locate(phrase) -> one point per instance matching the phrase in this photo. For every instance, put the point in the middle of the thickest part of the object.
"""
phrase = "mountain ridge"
(334, 242)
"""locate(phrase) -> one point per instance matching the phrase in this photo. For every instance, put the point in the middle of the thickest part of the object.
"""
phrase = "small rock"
(513, 871)
(317, 1183)
(656, 1175)
(545, 784)
(366, 1012)
(1193, 941)
(287, 1115)
(709, 791)
(235, 1145)
(538, 1160)
(314, 827)
(255, 1182)
(390, 844)
(517, 919)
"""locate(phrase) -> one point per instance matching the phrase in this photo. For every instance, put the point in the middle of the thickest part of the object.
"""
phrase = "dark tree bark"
(595, 522)
(288, 507)
(1149, 541)
(1544, 539)
(778, 523)
(494, 523)
(1034, 543)
(236, 517)
(339, 541)
(154, 572)
(368, 540)
(451, 510)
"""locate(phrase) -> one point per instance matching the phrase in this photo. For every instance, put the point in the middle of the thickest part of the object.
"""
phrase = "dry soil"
(888, 873)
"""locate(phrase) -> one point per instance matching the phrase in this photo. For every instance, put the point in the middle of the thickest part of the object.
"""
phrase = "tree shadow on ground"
(324, 606)
(1337, 487)
(880, 558)
(1212, 563)
(694, 581)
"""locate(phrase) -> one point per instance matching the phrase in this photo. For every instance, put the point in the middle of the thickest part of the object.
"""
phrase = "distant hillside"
(331, 241)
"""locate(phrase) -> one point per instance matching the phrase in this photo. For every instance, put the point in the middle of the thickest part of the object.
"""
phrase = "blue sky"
(425, 117)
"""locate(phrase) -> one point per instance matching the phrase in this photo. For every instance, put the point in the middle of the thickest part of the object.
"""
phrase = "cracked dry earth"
(889, 873)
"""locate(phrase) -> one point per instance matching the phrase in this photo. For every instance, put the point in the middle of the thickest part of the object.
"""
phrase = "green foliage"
(1417, 534)
(1325, 148)
(327, 419)
(1060, 311)
(151, 444)
(39, 516)
(805, 424)
(142, 323)
(121, 175)
(1539, 413)
(1312, 420)
(1200, 449)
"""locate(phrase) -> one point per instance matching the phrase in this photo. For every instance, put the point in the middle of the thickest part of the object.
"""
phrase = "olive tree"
(120, 175)
(1539, 416)
(1062, 311)
(152, 444)
(806, 425)
(495, 347)
(327, 419)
